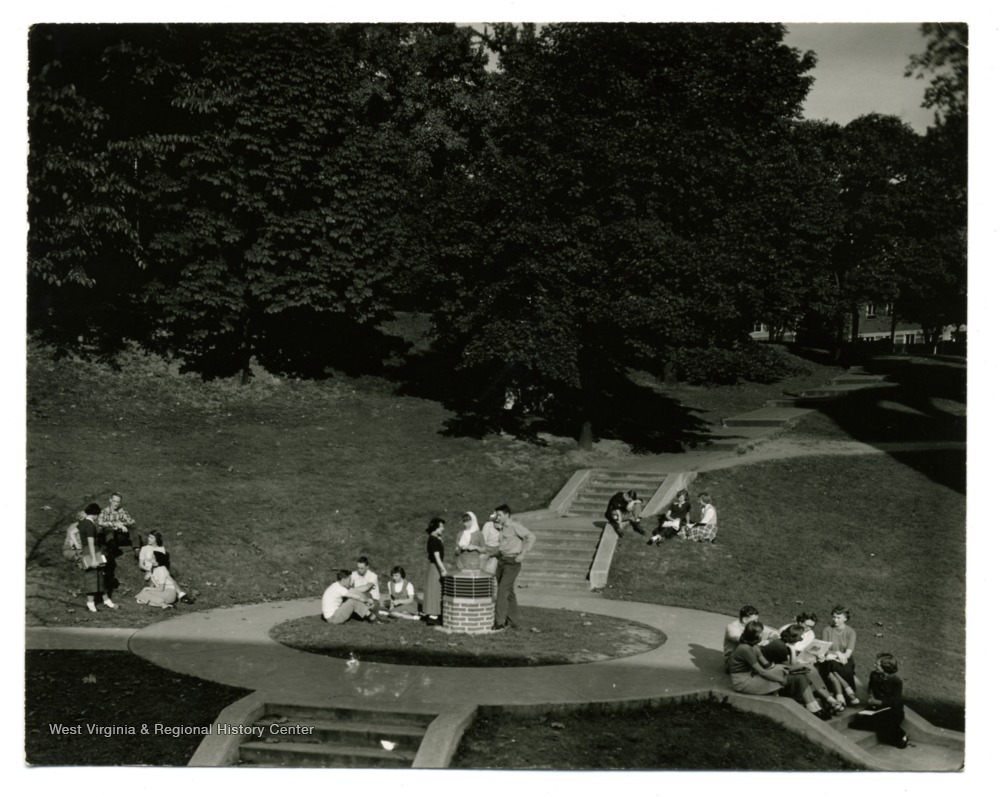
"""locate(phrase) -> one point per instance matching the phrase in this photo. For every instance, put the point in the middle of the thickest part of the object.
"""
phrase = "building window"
(759, 328)
(870, 310)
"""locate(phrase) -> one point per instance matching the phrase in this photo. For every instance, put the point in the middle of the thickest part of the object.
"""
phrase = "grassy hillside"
(883, 535)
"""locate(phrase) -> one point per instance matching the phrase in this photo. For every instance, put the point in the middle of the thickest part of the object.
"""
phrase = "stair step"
(352, 732)
(774, 416)
(304, 754)
(420, 719)
(583, 585)
(561, 557)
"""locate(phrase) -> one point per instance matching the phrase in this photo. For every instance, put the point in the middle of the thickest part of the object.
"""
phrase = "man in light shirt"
(340, 602)
(365, 581)
(515, 542)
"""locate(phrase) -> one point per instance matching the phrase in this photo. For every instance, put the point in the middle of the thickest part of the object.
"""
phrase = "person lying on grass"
(753, 674)
(340, 603)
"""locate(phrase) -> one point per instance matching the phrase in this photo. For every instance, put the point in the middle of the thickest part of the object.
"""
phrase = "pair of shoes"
(852, 700)
(904, 743)
(822, 714)
(91, 607)
(650, 541)
(836, 707)
(185, 598)
(109, 604)
(497, 627)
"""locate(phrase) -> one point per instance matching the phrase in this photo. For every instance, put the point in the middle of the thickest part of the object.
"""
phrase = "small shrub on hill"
(750, 362)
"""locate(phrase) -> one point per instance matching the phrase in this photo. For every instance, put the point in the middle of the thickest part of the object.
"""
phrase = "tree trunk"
(892, 331)
(246, 353)
(586, 439)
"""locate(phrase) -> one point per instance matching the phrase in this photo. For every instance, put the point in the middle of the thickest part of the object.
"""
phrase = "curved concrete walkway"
(232, 646)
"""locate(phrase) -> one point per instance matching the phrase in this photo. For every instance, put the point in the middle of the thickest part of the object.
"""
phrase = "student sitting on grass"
(72, 546)
(402, 600)
(753, 674)
(340, 602)
(706, 527)
(885, 701)
(677, 517)
(162, 589)
(838, 669)
(147, 563)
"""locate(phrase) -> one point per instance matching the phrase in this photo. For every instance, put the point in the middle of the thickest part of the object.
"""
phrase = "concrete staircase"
(567, 541)
(592, 499)
(340, 737)
(934, 749)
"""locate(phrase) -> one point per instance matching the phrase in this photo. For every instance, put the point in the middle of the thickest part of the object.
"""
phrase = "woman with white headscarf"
(470, 543)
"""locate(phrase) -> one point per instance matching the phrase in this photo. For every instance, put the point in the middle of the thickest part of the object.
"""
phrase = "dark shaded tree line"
(611, 196)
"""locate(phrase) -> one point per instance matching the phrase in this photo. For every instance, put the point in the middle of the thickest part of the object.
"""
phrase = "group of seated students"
(99, 537)
(495, 551)
(762, 660)
(625, 506)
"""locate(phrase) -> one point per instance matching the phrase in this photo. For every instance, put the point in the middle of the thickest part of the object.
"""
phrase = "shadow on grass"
(925, 403)
(647, 421)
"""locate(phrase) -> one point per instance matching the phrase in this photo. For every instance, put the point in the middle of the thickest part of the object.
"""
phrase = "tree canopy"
(609, 196)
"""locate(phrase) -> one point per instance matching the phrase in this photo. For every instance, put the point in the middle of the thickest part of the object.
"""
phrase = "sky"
(860, 70)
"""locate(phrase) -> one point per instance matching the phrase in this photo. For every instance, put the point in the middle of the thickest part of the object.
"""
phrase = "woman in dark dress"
(435, 571)
(677, 516)
(96, 580)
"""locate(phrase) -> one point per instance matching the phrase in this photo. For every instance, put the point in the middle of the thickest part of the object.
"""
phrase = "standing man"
(119, 526)
(515, 542)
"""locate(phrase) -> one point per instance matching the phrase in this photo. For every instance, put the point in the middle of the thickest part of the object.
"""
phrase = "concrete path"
(232, 646)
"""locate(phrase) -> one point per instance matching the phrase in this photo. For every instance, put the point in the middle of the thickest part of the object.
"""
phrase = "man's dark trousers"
(507, 572)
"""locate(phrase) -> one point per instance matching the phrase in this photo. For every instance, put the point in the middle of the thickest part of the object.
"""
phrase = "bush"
(749, 362)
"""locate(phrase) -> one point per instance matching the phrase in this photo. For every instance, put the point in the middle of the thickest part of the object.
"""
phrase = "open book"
(815, 651)
(871, 712)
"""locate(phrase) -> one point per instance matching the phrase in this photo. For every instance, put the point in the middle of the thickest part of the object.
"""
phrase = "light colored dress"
(161, 592)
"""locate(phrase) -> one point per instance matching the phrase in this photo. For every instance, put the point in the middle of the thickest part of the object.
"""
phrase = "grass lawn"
(113, 688)
(262, 492)
(689, 736)
(884, 535)
(544, 636)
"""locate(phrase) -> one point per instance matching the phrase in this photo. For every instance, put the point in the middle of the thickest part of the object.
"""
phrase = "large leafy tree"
(622, 161)
(938, 297)
(272, 178)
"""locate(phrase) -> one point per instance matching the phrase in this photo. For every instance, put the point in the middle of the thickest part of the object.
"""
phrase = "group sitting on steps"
(625, 506)
(792, 662)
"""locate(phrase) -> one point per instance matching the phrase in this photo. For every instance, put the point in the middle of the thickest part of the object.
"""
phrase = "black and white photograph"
(579, 396)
